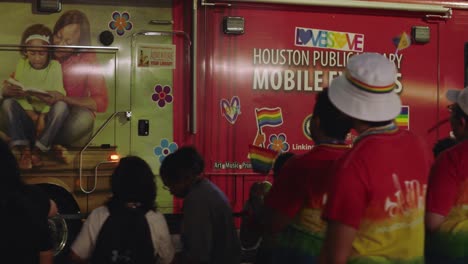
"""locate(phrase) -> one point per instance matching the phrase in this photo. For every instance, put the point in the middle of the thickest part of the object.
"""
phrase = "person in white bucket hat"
(446, 218)
(375, 204)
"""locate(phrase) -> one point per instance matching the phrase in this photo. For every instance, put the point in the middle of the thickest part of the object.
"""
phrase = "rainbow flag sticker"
(271, 117)
(402, 120)
(261, 158)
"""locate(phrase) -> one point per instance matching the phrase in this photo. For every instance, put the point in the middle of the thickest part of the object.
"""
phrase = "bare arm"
(86, 102)
(10, 90)
(75, 259)
(338, 243)
(433, 221)
(46, 257)
(52, 209)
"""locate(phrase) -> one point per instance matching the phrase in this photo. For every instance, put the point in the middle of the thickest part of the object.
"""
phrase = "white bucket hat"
(365, 90)
(460, 97)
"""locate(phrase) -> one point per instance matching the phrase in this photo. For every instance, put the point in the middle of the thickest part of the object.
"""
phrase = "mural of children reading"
(32, 120)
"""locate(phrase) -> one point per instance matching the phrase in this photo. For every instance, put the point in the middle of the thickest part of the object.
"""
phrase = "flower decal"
(120, 22)
(164, 149)
(278, 143)
(162, 95)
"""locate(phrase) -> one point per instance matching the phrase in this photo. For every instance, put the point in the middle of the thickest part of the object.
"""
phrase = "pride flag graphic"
(402, 120)
(271, 117)
(261, 158)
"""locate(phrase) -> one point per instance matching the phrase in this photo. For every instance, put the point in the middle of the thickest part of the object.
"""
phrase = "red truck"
(222, 75)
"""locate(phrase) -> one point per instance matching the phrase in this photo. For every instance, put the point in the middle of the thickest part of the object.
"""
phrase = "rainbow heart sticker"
(230, 110)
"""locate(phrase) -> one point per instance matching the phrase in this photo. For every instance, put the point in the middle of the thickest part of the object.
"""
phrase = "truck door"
(158, 57)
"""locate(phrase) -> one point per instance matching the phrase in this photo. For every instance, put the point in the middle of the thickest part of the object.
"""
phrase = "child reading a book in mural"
(32, 121)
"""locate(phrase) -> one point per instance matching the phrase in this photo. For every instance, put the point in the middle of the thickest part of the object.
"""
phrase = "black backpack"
(125, 238)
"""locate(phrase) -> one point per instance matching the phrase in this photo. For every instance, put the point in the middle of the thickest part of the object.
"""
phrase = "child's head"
(36, 35)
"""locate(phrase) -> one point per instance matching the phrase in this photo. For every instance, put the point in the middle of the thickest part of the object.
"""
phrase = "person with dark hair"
(208, 232)
(375, 204)
(25, 236)
(294, 203)
(442, 145)
(83, 79)
(129, 216)
(446, 218)
(250, 230)
(33, 122)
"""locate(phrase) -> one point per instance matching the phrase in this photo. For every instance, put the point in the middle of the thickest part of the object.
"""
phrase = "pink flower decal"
(278, 143)
(162, 95)
(120, 22)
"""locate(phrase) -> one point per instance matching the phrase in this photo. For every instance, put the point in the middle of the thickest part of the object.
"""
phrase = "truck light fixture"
(49, 6)
(233, 25)
(114, 157)
(421, 34)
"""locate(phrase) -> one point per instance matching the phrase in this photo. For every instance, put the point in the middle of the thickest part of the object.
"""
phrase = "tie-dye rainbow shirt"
(300, 193)
(447, 195)
(379, 189)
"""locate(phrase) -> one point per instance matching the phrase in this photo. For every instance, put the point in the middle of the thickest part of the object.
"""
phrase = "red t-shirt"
(447, 195)
(448, 183)
(379, 189)
(300, 190)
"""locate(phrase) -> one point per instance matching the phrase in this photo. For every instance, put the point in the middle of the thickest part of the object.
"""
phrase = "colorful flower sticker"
(278, 143)
(162, 95)
(120, 22)
(164, 149)
(230, 110)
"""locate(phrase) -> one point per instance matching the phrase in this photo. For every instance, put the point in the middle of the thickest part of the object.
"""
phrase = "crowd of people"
(382, 200)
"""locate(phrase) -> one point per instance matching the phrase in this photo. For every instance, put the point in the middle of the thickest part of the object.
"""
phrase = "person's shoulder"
(54, 64)
(460, 147)
(456, 152)
(154, 215)
(386, 139)
(80, 58)
(88, 57)
(155, 218)
(205, 192)
(22, 62)
(99, 212)
(327, 151)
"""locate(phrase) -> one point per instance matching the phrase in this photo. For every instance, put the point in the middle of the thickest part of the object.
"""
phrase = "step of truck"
(61, 159)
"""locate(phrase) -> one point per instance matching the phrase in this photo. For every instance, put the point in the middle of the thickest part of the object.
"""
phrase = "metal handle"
(128, 114)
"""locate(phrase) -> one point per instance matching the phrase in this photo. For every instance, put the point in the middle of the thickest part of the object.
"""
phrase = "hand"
(56, 95)
(10, 90)
(259, 139)
(51, 98)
